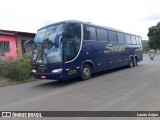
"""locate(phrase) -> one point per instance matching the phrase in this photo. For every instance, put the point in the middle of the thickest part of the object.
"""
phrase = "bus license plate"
(43, 77)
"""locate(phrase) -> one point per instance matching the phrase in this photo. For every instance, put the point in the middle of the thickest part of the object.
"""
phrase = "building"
(11, 43)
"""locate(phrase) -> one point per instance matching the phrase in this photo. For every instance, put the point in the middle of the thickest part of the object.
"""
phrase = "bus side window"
(73, 40)
(140, 40)
(137, 40)
(121, 38)
(112, 36)
(89, 33)
(102, 34)
(128, 38)
(133, 39)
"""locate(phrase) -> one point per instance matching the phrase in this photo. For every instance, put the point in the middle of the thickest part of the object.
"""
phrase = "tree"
(154, 36)
(145, 46)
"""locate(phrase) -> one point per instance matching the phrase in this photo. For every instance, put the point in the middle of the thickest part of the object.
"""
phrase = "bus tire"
(135, 62)
(131, 63)
(86, 72)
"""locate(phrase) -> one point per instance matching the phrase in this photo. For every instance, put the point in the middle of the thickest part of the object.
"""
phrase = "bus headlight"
(57, 70)
(34, 71)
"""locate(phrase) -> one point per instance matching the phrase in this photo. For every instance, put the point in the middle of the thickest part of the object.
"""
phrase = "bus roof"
(87, 23)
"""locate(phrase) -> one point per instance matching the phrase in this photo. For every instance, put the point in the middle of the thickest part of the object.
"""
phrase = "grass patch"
(4, 82)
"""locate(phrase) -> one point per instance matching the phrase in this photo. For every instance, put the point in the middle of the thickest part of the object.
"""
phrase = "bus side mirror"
(58, 40)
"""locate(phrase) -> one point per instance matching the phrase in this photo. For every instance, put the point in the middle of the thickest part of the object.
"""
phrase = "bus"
(72, 49)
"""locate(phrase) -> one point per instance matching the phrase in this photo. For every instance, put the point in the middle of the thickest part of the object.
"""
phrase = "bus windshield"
(48, 45)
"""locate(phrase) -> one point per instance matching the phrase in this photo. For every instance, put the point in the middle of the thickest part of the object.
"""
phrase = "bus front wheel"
(86, 72)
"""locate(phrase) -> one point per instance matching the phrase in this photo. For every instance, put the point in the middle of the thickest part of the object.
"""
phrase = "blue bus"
(71, 49)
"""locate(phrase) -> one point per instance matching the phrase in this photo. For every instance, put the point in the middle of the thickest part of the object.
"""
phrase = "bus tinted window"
(140, 40)
(102, 35)
(133, 39)
(112, 36)
(137, 40)
(128, 38)
(121, 38)
(72, 42)
(89, 33)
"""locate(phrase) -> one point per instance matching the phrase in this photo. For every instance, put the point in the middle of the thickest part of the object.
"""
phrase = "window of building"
(121, 38)
(112, 36)
(128, 38)
(102, 35)
(4, 47)
(89, 33)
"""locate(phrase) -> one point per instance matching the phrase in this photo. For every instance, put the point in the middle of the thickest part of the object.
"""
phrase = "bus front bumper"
(51, 76)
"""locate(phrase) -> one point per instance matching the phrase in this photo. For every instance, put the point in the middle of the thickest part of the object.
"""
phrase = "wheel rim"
(131, 64)
(134, 62)
(86, 72)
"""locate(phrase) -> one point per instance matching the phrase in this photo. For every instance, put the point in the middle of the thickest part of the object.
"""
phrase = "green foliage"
(154, 37)
(16, 70)
(145, 46)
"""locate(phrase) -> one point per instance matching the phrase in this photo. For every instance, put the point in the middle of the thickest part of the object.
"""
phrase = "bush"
(23, 70)
(16, 70)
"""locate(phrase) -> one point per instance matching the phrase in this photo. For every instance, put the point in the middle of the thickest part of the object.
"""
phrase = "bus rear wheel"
(86, 72)
(131, 63)
(135, 61)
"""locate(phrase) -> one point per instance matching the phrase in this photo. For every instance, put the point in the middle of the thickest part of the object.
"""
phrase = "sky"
(132, 16)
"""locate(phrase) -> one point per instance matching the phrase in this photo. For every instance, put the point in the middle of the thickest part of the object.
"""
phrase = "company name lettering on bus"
(71, 72)
(115, 48)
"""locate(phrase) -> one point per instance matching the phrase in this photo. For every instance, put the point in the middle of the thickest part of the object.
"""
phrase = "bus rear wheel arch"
(86, 72)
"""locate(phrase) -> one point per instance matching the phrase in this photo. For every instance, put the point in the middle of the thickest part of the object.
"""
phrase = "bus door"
(72, 46)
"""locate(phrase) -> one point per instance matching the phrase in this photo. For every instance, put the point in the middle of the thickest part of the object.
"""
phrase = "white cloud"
(127, 15)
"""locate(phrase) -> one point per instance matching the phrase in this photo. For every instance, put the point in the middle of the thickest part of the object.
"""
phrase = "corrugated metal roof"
(12, 33)
(2, 32)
